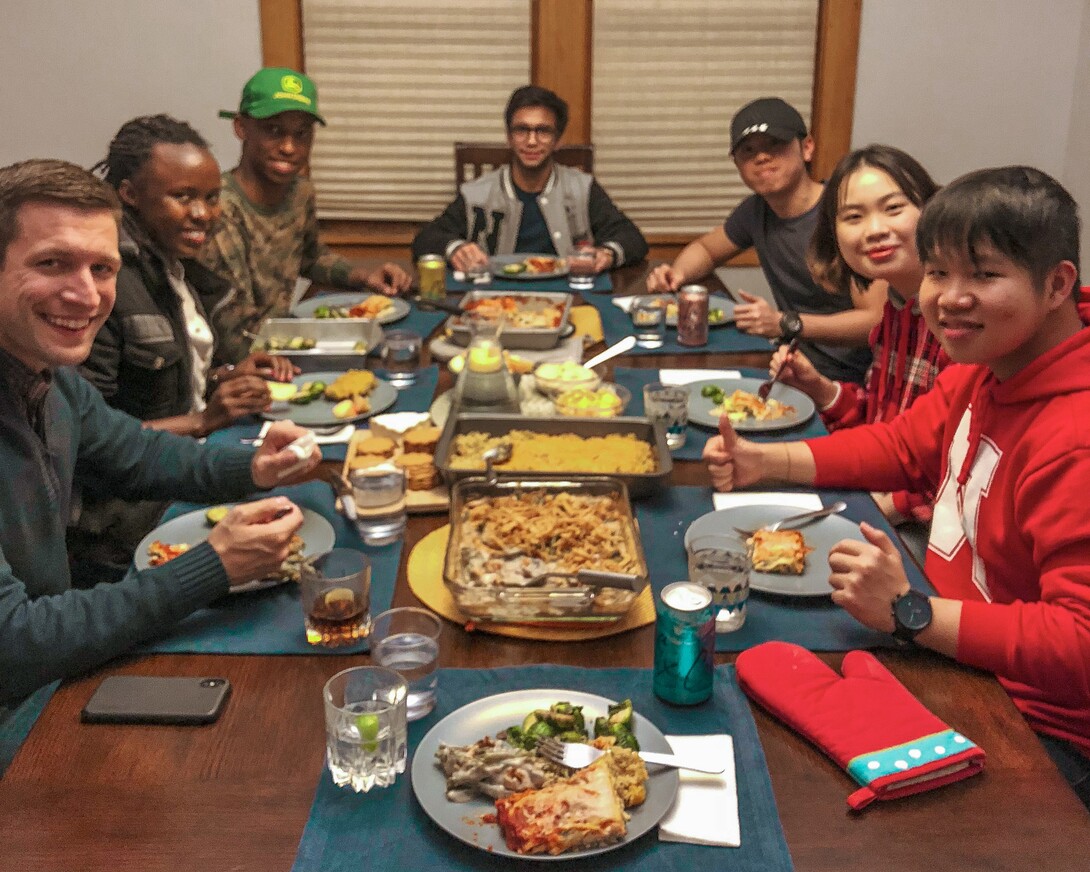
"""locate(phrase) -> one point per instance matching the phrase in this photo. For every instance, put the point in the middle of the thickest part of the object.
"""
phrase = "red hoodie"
(1011, 536)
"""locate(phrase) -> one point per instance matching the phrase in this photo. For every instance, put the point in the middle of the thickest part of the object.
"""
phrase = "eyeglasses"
(542, 131)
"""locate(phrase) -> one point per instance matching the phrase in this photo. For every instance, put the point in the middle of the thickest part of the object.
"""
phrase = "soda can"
(433, 276)
(684, 644)
(692, 315)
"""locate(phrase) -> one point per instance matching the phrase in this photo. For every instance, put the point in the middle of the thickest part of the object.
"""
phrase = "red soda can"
(692, 315)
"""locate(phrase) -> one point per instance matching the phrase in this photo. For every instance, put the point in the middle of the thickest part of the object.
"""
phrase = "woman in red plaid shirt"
(866, 233)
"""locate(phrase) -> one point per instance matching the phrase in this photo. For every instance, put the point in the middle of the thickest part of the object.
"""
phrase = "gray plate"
(821, 536)
(714, 302)
(499, 261)
(700, 407)
(193, 529)
(486, 717)
(305, 308)
(319, 413)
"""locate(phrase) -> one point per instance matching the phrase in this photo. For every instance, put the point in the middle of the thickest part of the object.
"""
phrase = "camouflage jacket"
(262, 252)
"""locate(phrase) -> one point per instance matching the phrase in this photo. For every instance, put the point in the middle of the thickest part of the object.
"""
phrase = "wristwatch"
(911, 615)
(790, 325)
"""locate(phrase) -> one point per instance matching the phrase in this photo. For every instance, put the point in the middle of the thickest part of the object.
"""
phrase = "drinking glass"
(379, 493)
(365, 727)
(479, 273)
(335, 591)
(721, 564)
(581, 268)
(668, 404)
(401, 357)
(407, 640)
(649, 321)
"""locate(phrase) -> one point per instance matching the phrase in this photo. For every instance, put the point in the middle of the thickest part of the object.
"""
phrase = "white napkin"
(686, 376)
(624, 303)
(342, 435)
(706, 809)
(804, 501)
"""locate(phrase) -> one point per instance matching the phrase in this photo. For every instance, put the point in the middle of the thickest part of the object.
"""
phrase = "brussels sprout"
(215, 514)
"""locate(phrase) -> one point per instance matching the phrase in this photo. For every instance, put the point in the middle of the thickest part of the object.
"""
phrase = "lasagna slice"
(783, 552)
(572, 814)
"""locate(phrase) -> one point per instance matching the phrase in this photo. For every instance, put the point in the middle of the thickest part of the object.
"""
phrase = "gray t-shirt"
(781, 245)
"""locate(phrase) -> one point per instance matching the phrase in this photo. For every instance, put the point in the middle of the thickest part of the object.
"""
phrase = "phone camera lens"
(212, 682)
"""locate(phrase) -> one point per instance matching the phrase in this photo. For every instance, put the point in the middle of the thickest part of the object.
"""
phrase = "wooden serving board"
(416, 501)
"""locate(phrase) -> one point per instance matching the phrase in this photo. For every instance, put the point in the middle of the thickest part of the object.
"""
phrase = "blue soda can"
(684, 644)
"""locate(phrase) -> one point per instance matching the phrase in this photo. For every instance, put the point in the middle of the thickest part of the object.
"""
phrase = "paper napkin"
(686, 376)
(624, 303)
(805, 501)
(706, 809)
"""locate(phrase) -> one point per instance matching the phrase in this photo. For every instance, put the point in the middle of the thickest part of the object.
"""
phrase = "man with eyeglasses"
(267, 236)
(533, 204)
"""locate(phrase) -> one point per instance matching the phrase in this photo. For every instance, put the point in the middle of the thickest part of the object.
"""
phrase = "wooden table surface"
(235, 795)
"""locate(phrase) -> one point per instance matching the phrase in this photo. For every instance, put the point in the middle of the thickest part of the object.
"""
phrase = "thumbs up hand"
(732, 462)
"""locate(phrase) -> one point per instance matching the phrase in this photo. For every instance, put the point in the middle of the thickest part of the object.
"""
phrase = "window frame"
(558, 28)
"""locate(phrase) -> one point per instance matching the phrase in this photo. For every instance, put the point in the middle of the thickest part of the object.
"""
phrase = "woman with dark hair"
(866, 232)
(154, 356)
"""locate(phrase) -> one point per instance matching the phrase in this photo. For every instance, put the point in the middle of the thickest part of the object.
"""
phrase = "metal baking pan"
(516, 337)
(342, 343)
(638, 484)
(554, 600)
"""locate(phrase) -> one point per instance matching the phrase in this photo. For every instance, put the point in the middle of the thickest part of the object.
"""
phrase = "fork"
(794, 522)
(766, 387)
(576, 755)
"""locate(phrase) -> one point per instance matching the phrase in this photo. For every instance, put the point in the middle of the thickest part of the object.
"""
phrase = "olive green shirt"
(262, 252)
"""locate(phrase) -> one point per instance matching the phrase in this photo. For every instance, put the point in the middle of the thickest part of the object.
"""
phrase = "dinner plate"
(821, 536)
(319, 412)
(701, 407)
(488, 716)
(714, 302)
(499, 261)
(398, 310)
(192, 528)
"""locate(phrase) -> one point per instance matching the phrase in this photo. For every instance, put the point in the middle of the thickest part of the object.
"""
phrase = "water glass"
(479, 274)
(366, 734)
(335, 591)
(379, 493)
(668, 404)
(407, 640)
(581, 268)
(721, 563)
(401, 357)
(649, 321)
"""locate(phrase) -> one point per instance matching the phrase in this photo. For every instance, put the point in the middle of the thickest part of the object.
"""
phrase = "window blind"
(398, 84)
(667, 77)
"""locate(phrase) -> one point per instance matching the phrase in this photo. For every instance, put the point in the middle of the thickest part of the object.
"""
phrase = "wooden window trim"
(557, 28)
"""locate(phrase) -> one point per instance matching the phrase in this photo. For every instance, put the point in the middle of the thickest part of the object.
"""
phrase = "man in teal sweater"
(58, 264)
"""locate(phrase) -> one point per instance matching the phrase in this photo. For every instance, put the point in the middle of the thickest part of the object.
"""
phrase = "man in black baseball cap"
(772, 150)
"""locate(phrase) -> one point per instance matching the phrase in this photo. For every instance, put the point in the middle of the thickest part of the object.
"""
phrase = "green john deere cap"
(273, 90)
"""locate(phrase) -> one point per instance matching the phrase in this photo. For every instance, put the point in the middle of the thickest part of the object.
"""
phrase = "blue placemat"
(813, 622)
(16, 721)
(271, 621)
(697, 436)
(617, 325)
(419, 321)
(387, 828)
(417, 398)
(602, 284)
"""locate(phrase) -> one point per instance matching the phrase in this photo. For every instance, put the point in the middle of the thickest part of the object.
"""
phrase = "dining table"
(237, 794)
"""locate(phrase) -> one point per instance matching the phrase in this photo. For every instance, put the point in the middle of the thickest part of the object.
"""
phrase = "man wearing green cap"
(268, 234)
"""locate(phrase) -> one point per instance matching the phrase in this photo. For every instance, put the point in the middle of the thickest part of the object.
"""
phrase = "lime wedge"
(368, 728)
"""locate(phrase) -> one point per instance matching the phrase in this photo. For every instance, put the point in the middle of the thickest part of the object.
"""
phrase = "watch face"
(791, 325)
(913, 611)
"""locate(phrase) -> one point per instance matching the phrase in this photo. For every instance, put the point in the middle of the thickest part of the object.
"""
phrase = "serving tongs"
(595, 578)
(432, 305)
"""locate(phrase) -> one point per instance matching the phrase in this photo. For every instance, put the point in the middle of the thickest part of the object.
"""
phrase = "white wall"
(75, 70)
(977, 83)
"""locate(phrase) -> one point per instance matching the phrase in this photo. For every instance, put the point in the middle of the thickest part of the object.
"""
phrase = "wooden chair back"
(474, 159)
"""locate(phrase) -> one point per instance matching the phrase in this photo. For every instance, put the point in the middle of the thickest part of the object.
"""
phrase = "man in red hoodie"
(1003, 442)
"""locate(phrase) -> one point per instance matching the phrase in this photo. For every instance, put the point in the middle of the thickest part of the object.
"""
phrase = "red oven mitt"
(866, 721)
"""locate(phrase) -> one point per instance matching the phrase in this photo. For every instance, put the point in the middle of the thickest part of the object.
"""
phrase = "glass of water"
(669, 405)
(407, 639)
(649, 322)
(366, 733)
(721, 564)
(401, 357)
(379, 493)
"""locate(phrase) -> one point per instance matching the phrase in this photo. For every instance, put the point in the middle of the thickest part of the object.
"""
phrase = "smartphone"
(152, 699)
